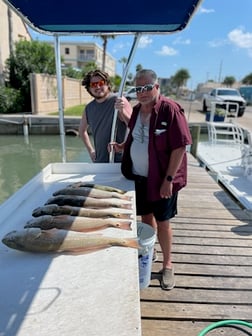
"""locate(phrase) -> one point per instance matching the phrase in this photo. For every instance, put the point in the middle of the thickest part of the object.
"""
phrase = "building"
(77, 55)
(12, 29)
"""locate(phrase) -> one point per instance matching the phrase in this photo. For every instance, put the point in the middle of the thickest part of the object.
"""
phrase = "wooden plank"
(191, 311)
(208, 282)
(189, 328)
(211, 259)
(232, 223)
(221, 233)
(213, 241)
(213, 250)
(198, 295)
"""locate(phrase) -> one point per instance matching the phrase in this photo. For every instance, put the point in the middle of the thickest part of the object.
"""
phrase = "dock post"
(195, 133)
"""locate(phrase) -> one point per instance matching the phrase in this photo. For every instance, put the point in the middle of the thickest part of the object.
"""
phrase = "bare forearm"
(85, 138)
(175, 161)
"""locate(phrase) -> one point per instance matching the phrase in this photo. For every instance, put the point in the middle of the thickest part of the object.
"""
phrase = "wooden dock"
(212, 255)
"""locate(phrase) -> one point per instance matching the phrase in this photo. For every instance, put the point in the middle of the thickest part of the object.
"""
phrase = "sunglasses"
(96, 84)
(147, 87)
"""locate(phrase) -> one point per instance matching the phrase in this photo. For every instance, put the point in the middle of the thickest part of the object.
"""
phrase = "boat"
(228, 158)
(96, 293)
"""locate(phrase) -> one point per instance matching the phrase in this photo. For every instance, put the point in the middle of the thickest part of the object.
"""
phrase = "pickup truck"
(222, 96)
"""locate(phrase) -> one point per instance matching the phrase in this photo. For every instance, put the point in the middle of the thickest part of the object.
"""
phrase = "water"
(22, 159)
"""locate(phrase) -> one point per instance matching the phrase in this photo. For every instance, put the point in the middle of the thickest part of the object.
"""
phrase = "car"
(130, 94)
(226, 98)
(246, 93)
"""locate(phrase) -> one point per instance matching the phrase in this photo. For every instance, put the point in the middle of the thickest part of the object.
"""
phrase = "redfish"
(90, 192)
(37, 240)
(82, 201)
(56, 210)
(76, 223)
(97, 186)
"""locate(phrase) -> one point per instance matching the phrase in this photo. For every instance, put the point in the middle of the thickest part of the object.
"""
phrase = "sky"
(216, 43)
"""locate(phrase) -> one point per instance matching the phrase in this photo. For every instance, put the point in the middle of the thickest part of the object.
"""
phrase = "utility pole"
(220, 70)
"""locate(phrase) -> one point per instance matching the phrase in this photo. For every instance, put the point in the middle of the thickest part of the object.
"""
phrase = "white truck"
(226, 98)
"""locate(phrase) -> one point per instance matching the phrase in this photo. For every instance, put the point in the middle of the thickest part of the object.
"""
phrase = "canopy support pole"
(120, 93)
(60, 97)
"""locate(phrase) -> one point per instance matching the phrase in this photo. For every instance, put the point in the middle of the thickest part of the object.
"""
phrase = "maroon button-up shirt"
(168, 131)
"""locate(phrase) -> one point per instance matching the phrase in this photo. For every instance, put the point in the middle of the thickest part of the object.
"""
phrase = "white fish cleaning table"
(61, 294)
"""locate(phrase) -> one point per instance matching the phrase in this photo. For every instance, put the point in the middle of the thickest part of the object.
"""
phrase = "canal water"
(22, 158)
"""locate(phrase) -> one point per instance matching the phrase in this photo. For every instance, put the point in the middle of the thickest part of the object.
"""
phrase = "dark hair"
(104, 75)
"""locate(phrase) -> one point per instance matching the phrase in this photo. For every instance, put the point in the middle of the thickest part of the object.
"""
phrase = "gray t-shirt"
(100, 118)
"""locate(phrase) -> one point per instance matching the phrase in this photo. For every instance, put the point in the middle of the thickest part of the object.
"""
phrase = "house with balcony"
(78, 54)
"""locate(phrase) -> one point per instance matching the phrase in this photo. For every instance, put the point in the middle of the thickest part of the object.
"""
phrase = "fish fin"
(129, 242)
(123, 225)
(123, 215)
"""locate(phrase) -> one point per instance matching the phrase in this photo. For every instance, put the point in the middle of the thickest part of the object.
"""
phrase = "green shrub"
(10, 100)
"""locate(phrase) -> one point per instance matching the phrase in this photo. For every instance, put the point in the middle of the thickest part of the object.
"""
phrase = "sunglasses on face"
(147, 87)
(96, 84)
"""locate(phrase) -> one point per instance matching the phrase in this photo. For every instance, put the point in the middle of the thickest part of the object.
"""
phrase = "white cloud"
(144, 42)
(119, 46)
(203, 10)
(179, 40)
(167, 51)
(240, 38)
(217, 43)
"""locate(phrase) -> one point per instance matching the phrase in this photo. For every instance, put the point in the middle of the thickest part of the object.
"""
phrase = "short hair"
(147, 72)
(104, 75)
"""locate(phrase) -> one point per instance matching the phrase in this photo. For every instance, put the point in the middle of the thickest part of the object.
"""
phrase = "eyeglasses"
(96, 84)
(147, 87)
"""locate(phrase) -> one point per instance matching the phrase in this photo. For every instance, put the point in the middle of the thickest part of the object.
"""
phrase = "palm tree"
(180, 78)
(104, 47)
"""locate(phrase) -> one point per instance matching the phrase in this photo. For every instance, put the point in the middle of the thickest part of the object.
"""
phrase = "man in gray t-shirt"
(98, 115)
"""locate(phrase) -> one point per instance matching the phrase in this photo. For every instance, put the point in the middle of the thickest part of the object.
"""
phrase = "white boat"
(229, 159)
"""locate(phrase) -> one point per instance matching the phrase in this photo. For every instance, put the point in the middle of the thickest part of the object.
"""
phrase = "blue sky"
(216, 43)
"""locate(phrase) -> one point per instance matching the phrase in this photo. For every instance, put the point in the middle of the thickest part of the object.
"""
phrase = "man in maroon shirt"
(154, 155)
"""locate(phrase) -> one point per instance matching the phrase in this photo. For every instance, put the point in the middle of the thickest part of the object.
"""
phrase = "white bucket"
(147, 237)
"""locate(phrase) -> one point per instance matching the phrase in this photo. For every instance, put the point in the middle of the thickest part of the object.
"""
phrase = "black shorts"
(163, 209)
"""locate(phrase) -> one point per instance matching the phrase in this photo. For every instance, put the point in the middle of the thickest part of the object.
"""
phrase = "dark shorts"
(163, 209)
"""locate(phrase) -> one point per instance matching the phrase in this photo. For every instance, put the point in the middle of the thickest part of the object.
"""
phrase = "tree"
(72, 73)
(229, 80)
(247, 79)
(124, 61)
(180, 78)
(104, 47)
(139, 67)
(29, 57)
(88, 67)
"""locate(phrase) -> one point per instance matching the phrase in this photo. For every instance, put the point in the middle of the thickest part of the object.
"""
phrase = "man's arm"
(85, 137)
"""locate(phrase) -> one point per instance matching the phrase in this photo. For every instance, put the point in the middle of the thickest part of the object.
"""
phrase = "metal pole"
(60, 96)
(125, 73)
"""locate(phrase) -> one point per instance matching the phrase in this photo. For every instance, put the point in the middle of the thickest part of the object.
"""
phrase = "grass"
(75, 111)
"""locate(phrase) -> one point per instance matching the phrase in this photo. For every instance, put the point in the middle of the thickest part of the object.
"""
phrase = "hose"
(223, 323)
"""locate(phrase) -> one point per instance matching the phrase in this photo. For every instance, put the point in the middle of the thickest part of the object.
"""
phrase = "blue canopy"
(99, 18)
(88, 17)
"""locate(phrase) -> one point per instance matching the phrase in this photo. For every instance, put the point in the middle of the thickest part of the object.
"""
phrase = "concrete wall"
(44, 93)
